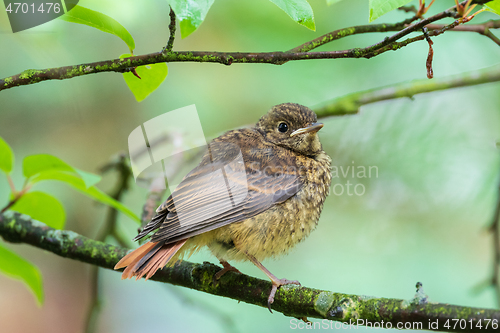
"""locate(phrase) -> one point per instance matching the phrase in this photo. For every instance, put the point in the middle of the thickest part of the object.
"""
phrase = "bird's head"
(292, 126)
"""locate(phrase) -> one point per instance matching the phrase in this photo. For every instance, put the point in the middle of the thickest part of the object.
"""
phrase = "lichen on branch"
(301, 52)
(293, 301)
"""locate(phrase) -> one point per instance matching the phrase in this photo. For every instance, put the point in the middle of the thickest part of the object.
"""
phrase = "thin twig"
(227, 322)
(17, 196)
(409, 29)
(341, 33)
(9, 204)
(483, 29)
(14, 193)
(397, 45)
(11, 184)
(171, 28)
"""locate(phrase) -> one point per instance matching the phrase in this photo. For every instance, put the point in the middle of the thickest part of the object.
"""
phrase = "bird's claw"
(276, 285)
(226, 268)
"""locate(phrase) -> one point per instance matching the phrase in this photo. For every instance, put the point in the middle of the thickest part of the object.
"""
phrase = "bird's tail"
(147, 259)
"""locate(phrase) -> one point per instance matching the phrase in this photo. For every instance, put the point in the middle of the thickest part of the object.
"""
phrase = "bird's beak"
(313, 128)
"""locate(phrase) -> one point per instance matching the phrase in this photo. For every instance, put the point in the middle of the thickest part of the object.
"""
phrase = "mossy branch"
(171, 28)
(300, 52)
(292, 301)
(350, 104)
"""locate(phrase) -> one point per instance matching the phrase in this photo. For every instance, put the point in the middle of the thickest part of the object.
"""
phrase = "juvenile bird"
(256, 193)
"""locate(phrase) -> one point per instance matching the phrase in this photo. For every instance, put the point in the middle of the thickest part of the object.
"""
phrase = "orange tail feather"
(139, 252)
(157, 258)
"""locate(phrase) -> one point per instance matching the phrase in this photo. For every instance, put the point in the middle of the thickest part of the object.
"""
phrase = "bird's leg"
(274, 280)
(227, 268)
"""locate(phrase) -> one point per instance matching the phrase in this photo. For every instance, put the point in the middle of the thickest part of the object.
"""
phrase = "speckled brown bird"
(276, 177)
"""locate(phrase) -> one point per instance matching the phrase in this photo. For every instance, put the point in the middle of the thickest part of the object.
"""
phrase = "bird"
(256, 193)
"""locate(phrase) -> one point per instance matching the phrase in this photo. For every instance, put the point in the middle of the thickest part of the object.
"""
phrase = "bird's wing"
(216, 194)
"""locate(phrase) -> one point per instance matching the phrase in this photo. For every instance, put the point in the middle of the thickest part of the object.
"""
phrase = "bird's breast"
(275, 231)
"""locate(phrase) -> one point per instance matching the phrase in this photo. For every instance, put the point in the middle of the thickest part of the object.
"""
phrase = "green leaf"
(18, 268)
(66, 177)
(331, 2)
(42, 207)
(100, 196)
(6, 157)
(35, 164)
(190, 13)
(299, 10)
(93, 192)
(82, 15)
(47, 167)
(381, 7)
(151, 78)
(493, 6)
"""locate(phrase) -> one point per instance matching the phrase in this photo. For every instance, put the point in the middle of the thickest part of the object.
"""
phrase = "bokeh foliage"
(424, 217)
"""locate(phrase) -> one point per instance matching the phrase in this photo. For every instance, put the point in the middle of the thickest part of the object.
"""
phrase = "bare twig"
(341, 33)
(428, 63)
(397, 45)
(411, 28)
(483, 29)
(17, 195)
(11, 184)
(9, 204)
(171, 28)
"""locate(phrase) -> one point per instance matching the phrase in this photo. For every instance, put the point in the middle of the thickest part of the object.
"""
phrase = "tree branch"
(32, 76)
(171, 28)
(483, 29)
(292, 301)
(341, 33)
(412, 28)
(350, 104)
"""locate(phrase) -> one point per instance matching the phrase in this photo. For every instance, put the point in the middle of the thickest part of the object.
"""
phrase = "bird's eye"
(283, 127)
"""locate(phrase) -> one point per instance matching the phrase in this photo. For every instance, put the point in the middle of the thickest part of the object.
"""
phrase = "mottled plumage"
(277, 177)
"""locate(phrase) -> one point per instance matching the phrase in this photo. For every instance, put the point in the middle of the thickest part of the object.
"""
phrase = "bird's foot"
(227, 268)
(276, 284)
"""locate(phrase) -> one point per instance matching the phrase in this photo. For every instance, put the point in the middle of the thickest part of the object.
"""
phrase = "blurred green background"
(424, 218)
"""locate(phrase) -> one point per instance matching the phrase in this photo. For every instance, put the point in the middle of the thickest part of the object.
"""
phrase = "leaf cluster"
(42, 206)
